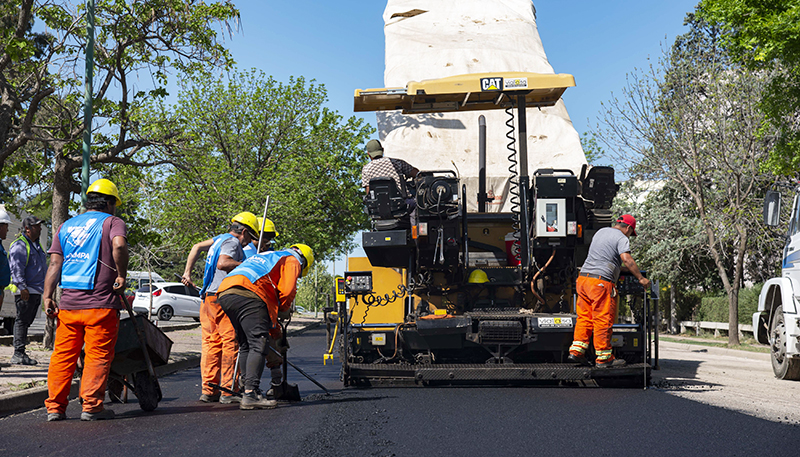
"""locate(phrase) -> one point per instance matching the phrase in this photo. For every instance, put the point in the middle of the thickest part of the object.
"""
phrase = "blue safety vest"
(249, 250)
(261, 264)
(80, 239)
(211, 260)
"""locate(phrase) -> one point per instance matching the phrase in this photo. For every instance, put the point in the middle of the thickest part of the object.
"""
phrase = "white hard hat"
(4, 217)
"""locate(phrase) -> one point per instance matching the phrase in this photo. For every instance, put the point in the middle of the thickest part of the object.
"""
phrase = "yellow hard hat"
(105, 187)
(308, 254)
(478, 277)
(247, 218)
(267, 225)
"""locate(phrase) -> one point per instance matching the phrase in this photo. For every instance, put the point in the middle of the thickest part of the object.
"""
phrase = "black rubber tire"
(147, 390)
(165, 313)
(783, 367)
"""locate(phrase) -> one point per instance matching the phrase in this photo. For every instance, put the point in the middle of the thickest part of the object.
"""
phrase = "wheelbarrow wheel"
(147, 390)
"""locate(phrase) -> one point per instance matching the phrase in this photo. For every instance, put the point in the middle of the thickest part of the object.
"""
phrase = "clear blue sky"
(341, 45)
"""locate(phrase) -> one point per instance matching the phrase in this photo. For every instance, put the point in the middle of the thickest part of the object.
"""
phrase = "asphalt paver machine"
(445, 296)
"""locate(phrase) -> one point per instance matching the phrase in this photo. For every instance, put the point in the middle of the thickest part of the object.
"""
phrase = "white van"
(139, 279)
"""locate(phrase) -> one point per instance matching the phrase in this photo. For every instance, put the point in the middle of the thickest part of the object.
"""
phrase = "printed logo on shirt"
(78, 235)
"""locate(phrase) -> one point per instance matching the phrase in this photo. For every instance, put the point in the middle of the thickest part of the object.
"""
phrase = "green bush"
(715, 308)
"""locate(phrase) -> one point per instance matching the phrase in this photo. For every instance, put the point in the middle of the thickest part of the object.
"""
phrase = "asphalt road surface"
(412, 421)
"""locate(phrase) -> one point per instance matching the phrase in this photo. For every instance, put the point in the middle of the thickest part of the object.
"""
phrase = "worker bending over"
(218, 352)
(597, 294)
(253, 295)
(89, 256)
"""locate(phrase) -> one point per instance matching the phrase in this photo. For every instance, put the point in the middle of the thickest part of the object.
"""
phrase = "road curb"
(714, 350)
(34, 398)
(8, 340)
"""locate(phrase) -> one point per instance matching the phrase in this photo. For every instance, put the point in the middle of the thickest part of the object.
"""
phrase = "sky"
(341, 45)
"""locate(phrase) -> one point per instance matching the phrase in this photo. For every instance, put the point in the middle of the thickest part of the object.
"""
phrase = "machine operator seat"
(386, 206)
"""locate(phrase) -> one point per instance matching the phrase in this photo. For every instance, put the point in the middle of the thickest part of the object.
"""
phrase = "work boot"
(52, 417)
(98, 416)
(23, 359)
(255, 400)
(614, 363)
(271, 392)
(579, 359)
(228, 399)
(206, 398)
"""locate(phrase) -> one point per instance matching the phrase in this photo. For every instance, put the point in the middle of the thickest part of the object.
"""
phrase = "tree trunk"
(673, 311)
(61, 198)
(62, 190)
(733, 316)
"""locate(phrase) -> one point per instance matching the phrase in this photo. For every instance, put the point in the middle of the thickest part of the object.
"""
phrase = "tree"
(137, 41)
(248, 137)
(766, 36)
(695, 121)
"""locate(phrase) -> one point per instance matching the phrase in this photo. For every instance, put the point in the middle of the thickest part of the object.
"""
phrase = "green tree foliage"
(134, 42)
(249, 137)
(315, 290)
(695, 121)
(765, 35)
(591, 148)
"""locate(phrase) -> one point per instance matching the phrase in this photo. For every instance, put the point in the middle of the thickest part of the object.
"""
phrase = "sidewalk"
(25, 387)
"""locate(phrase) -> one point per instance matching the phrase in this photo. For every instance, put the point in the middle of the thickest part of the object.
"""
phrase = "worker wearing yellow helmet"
(253, 296)
(89, 257)
(219, 347)
(268, 234)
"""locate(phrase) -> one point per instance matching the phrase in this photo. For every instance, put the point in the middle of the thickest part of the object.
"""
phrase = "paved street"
(406, 422)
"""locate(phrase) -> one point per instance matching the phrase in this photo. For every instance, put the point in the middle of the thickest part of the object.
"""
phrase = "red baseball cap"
(630, 220)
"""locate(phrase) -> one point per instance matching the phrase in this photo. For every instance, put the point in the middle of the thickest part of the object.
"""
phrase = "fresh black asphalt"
(404, 421)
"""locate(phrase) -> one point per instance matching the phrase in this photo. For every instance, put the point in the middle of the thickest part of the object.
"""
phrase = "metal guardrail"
(716, 326)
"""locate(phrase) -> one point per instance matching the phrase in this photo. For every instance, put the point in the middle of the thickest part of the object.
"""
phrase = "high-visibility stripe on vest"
(249, 250)
(80, 239)
(211, 260)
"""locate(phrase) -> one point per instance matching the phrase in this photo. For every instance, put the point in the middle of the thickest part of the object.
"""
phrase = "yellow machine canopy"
(470, 92)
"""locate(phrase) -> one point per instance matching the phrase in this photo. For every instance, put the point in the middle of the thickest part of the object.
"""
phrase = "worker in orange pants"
(597, 296)
(89, 257)
(97, 328)
(219, 346)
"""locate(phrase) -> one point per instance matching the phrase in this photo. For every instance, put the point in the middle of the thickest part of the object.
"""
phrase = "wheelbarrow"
(134, 368)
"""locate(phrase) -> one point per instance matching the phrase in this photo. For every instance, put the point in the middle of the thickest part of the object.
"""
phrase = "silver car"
(169, 299)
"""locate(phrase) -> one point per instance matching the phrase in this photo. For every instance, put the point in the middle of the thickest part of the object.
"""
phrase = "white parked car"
(169, 299)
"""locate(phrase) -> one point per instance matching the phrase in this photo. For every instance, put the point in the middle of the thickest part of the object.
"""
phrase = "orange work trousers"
(97, 328)
(597, 309)
(219, 346)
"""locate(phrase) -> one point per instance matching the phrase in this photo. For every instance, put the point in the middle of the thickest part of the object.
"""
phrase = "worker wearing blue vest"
(28, 263)
(89, 257)
(218, 351)
(254, 295)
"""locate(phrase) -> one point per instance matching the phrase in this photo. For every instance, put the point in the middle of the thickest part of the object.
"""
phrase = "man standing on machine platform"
(597, 294)
(218, 352)
(254, 296)
(89, 256)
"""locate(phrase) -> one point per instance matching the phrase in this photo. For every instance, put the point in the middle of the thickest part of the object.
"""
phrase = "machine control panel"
(340, 286)
(358, 282)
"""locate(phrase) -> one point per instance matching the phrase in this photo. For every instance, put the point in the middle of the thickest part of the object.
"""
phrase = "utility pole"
(87, 99)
